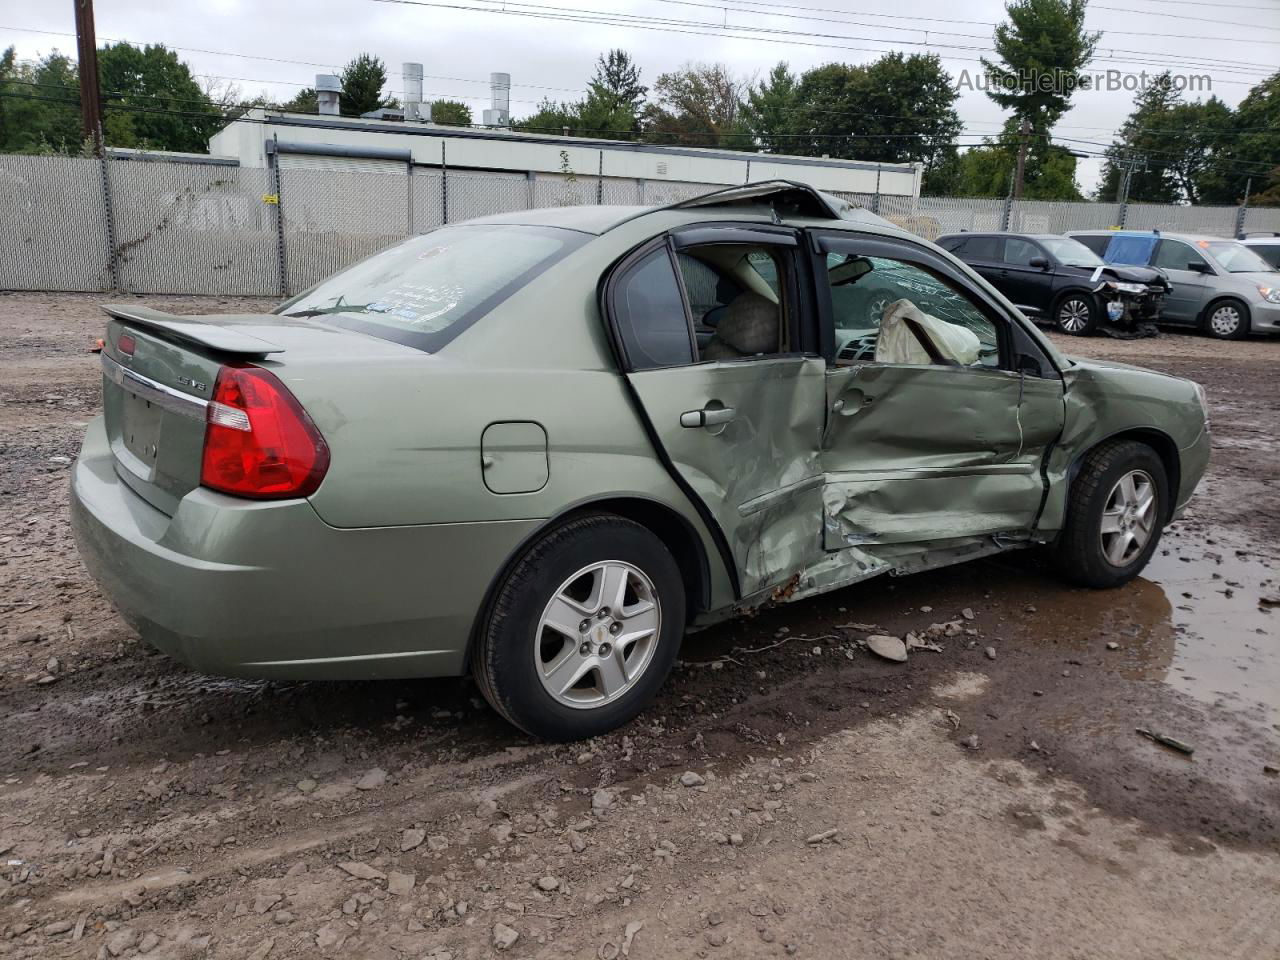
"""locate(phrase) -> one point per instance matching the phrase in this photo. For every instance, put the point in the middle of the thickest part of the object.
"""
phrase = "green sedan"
(540, 447)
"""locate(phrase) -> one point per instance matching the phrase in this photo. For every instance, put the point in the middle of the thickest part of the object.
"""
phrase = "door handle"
(706, 417)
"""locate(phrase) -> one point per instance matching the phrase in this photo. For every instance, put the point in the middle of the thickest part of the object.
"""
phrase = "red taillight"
(126, 344)
(258, 441)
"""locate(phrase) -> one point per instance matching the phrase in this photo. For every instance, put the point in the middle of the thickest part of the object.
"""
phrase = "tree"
(988, 170)
(696, 105)
(151, 101)
(39, 105)
(615, 95)
(1251, 148)
(1043, 50)
(453, 113)
(768, 113)
(304, 101)
(550, 117)
(897, 109)
(1141, 144)
(362, 82)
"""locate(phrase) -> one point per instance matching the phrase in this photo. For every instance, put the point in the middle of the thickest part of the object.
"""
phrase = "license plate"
(141, 427)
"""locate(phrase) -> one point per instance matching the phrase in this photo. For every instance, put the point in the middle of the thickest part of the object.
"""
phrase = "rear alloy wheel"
(1115, 514)
(1227, 320)
(1076, 315)
(583, 630)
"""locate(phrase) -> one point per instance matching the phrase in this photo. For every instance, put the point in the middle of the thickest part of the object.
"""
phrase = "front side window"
(425, 291)
(1020, 252)
(1175, 255)
(890, 311)
(1072, 252)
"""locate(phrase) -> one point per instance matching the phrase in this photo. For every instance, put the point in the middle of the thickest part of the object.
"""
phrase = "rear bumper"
(270, 590)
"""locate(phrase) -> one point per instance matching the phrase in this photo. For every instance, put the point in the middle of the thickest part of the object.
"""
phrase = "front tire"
(1115, 515)
(583, 629)
(1227, 320)
(1077, 314)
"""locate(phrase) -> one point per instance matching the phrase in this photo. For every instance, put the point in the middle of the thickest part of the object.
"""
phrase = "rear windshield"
(427, 290)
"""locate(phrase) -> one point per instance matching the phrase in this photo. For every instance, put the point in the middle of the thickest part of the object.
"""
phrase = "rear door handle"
(706, 417)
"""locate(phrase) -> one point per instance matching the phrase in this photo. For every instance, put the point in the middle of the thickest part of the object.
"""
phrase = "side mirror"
(1199, 266)
(1038, 262)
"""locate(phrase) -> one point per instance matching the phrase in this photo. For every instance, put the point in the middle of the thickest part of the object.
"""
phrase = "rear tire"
(1077, 314)
(1226, 320)
(1115, 514)
(583, 630)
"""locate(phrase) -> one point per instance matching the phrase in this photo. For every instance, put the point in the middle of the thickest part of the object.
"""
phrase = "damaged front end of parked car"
(1133, 298)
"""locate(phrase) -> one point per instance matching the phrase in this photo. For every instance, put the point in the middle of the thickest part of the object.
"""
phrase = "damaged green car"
(541, 446)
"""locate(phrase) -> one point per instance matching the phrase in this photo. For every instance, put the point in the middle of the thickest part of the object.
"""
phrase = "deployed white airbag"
(897, 344)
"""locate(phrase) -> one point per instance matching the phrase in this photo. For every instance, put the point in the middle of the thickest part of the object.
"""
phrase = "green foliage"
(1043, 50)
(304, 101)
(1142, 135)
(697, 105)
(769, 111)
(1252, 150)
(362, 82)
(151, 101)
(453, 113)
(39, 105)
(988, 170)
(611, 109)
(551, 117)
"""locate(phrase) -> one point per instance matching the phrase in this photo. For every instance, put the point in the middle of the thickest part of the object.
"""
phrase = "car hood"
(1124, 274)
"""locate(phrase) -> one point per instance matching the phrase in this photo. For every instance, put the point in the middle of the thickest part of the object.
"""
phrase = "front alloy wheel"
(1075, 316)
(1129, 518)
(582, 630)
(1116, 510)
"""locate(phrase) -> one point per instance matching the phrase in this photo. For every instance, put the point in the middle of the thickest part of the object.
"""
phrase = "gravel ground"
(788, 794)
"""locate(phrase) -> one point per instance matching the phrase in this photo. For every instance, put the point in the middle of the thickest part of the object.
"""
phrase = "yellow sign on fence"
(271, 198)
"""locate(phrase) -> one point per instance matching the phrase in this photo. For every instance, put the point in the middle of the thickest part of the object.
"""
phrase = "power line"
(703, 29)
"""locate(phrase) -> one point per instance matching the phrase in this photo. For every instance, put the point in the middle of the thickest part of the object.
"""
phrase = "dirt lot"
(989, 800)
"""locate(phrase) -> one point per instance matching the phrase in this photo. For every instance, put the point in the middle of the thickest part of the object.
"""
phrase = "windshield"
(1236, 257)
(427, 290)
(1071, 252)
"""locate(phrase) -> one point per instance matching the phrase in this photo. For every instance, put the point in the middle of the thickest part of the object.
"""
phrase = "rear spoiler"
(210, 331)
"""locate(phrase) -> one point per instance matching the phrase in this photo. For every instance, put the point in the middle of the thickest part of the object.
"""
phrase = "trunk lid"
(159, 372)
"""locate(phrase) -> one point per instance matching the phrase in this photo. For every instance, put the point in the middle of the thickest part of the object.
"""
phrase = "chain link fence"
(160, 225)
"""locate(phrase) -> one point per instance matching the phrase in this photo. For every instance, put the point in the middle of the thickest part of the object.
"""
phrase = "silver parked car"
(1219, 286)
(1265, 245)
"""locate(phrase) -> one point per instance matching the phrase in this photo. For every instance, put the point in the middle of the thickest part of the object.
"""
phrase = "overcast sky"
(1236, 43)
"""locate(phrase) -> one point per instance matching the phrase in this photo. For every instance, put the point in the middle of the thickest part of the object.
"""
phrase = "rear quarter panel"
(405, 433)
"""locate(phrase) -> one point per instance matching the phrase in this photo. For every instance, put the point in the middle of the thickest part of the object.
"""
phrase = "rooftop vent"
(499, 115)
(413, 93)
(328, 89)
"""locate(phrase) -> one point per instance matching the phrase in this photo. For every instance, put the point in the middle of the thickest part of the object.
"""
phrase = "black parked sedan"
(1062, 281)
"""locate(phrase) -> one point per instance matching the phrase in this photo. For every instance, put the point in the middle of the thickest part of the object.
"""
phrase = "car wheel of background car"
(583, 630)
(876, 307)
(1227, 320)
(1115, 514)
(1076, 314)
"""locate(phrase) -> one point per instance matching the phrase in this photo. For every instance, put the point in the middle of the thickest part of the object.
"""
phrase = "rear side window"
(982, 248)
(1175, 255)
(1269, 252)
(648, 314)
(427, 290)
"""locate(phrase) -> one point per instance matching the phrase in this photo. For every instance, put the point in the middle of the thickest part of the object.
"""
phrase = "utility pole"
(87, 50)
(1023, 131)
